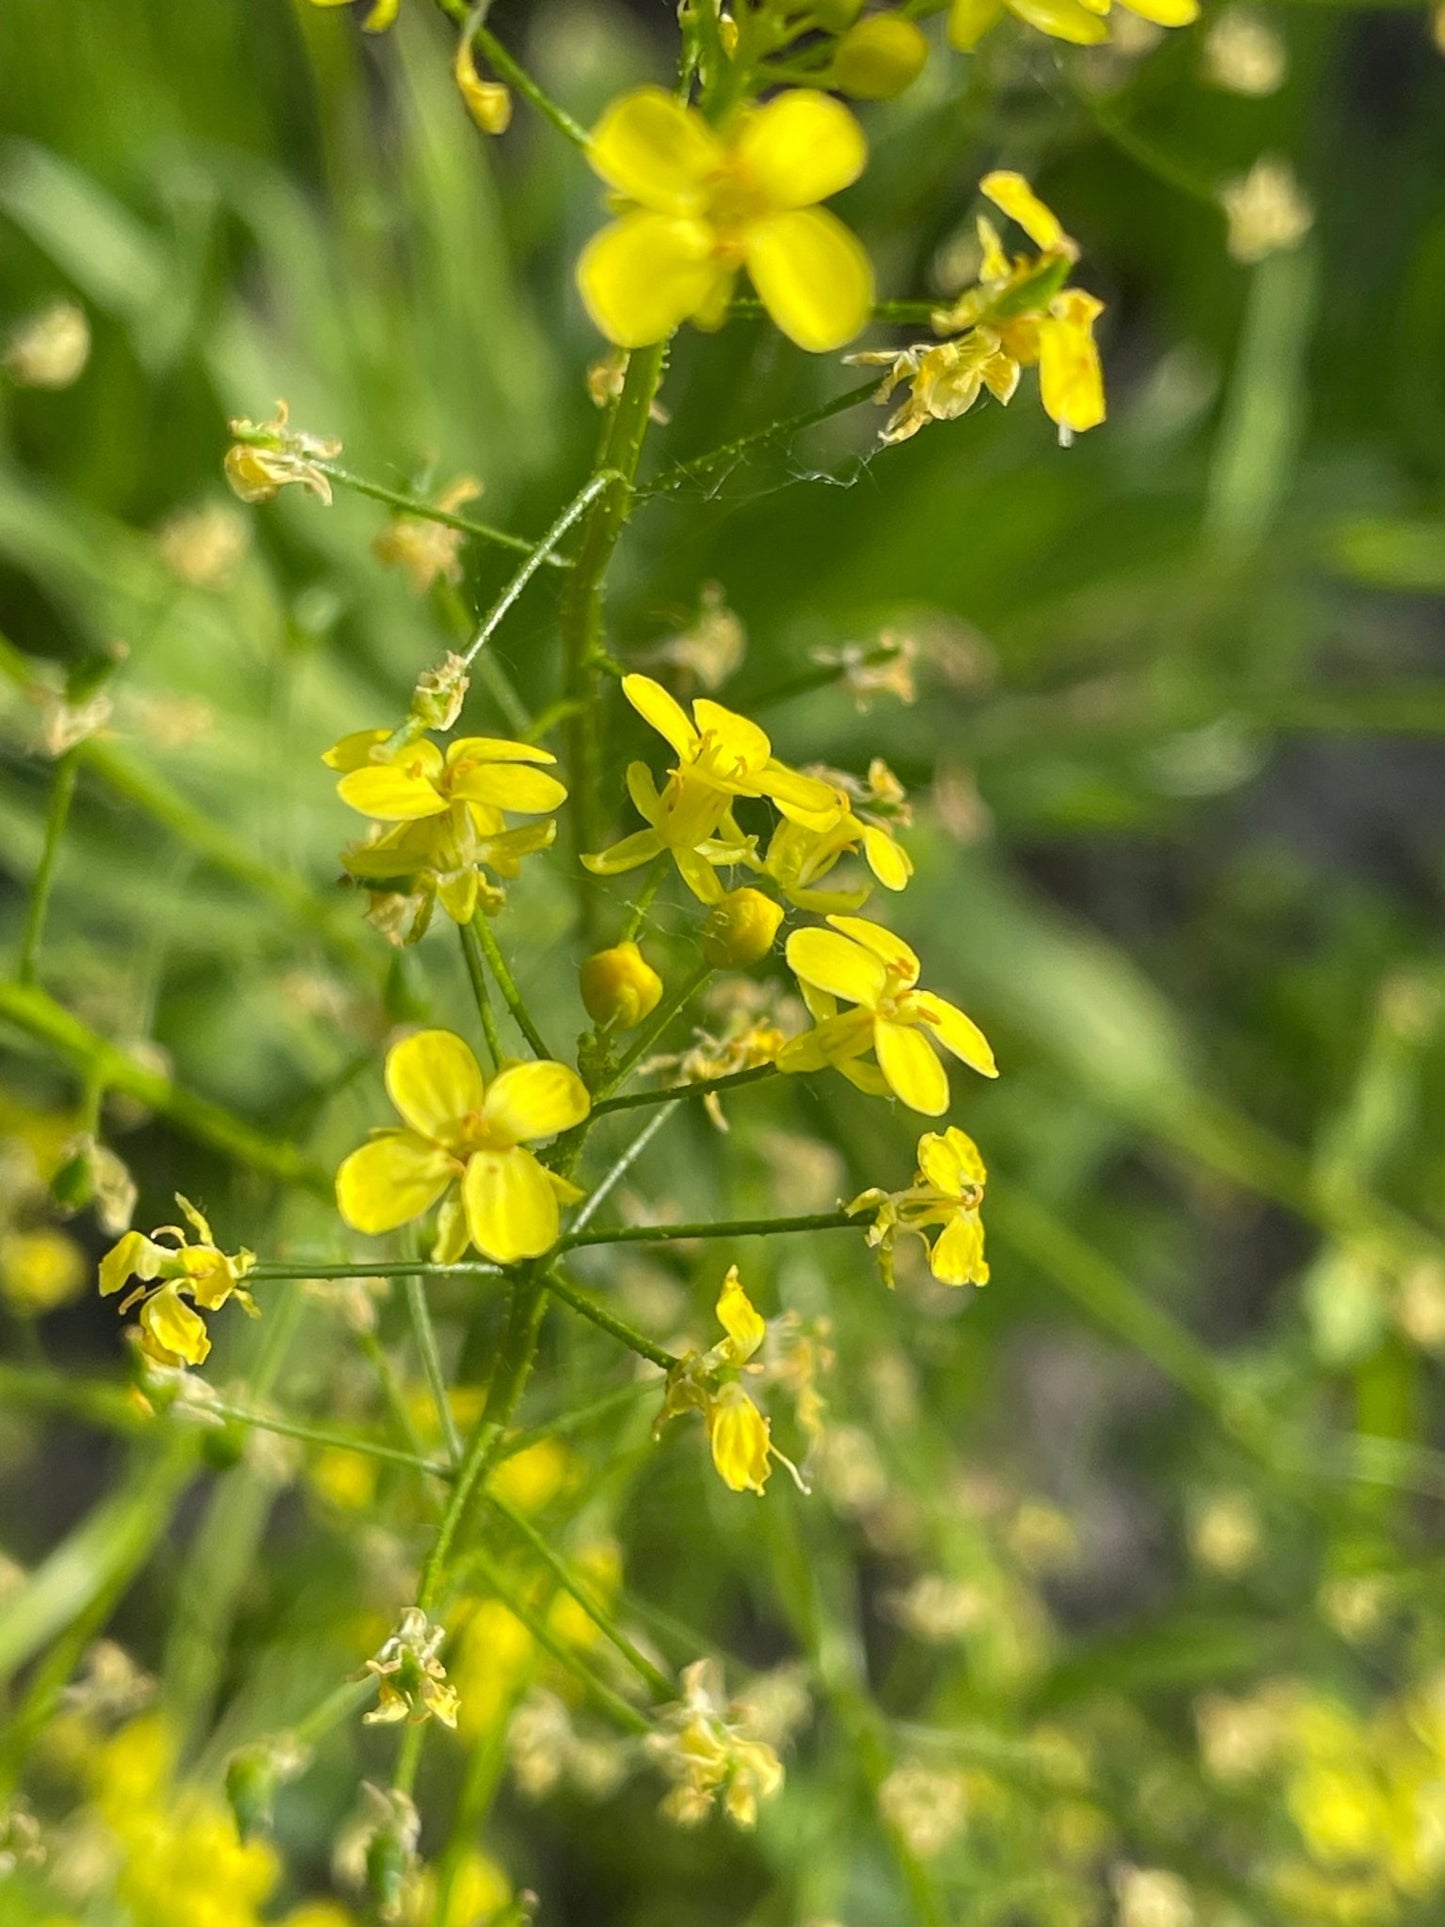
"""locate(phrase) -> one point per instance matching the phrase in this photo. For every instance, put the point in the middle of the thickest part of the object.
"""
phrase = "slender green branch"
(566, 1423)
(605, 1185)
(686, 474)
(568, 519)
(652, 1032)
(62, 792)
(325, 1439)
(271, 1271)
(32, 1011)
(651, 883)
(424, 1335)
(506, 983)
(476, 971)
(654, 1234)
(676, 1092)
(646, 1669)
(606, 1320)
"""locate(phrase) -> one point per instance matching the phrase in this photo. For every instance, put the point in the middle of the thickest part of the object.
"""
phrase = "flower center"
(735, 202)
(478, 1132)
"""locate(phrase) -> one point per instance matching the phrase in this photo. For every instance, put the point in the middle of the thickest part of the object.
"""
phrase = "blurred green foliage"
(1176, 755)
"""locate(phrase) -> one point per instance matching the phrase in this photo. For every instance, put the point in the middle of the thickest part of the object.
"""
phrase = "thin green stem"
(655, 1234)
(652, 1032)
(476, 971)
(62, 793)
(580, 616)
(566, 1423)
(424, 1336)
(568, 519)
(728, 454)
(646, 1669)
(506, 983)
(734, 1080)
(650, 886)
(271, 1271)
(605, 1320)
(327, 1440)
(329, 1713)
(616, 1172)
(31, 1010)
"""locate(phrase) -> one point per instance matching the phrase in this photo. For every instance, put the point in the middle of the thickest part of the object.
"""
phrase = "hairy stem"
(506, 983)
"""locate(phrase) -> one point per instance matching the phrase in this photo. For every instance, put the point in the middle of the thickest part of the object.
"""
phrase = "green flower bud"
(879, 58)
(619, 987)
(836, 16)
(740, 929)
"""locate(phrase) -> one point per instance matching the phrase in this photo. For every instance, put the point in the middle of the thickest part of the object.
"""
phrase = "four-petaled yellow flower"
(947, 1192)
(700, 203)
(172, 1333)
(799, 859)
(448, 814)
(710, 1382)
(1020, 314)
(1084, 22)
(721, 757)
(860, 963)
(458, 1130)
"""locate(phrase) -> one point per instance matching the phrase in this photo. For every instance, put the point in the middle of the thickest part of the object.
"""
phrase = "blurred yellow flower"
(1083, 22)
(701, 203)
(40, 1270)
(49, 350)
(705, 1747)
(411, 1681)
(172, 1333)
(456, 1130)
(379, 17)
(428, 550)
(860, 963)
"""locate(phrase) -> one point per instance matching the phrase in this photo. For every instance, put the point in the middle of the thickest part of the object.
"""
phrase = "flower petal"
(510, 786)
(390, 793)
(1012, 193)
(970, 20)
(699, 876)
(805, 800)
(912, 1070)
(1071, 381)
(643, 791)
(511, 1208)
(835, 1040)
(1063, 20)
(656, 150)
(950, 1160)
(1165, 13)
(836, 964)
(892, 952)
(665, 714)
(174, 1330)
(813, 277)
(643, 276)
(433, 1079)
(956, 1031)
(135, 1256)
(735, 740)
(888, 861)
(633, 850)
(957, 1255)
(801, 148)
(390, 1181)
(529, 1101)
(354, 751)
(744, 1324)
(495, 749)
(740, 1438)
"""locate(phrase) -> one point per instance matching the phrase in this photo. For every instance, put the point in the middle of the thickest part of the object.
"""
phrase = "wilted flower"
(709, 1754)
(428, 550)
(412, 1682)
(1267, 210)
(488, 102)
(173, 1333)
(49, 350)
(266, 458)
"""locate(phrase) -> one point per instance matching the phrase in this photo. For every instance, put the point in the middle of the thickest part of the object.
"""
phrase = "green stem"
(683, 474)
(653, 1234)
(515, 75)
(32, 1011)
(62, 793)
(506, 983)
(568, 519)
(566, 1423)
(581, 611)
(657, 1680)
(605, 1185)
(273, 1270)
(650, 886)
(653, 1031)
(606, 1320)
(320, 1437)
(499, 684)
(676, 1092)
(476, 971)
(424, 1334)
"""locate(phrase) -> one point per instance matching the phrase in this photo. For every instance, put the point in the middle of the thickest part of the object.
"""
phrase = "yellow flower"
(456, 1130)
(947, 1191)
(428, 550)
(619, 987)
(798, 860)
(703, 1745)
(701, 203)
(709, 1382)
(860, 963)
(879, 58)
(172, 1332)
(40, 1270)
(488, 102)
(270, 456)
(1018, 315)
(1083, 22)
(449, 815)
(411, 1681)
(721, 757)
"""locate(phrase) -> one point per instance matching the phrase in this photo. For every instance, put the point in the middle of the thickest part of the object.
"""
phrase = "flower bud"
(879, 58)
(740, 929)
(619, 987)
